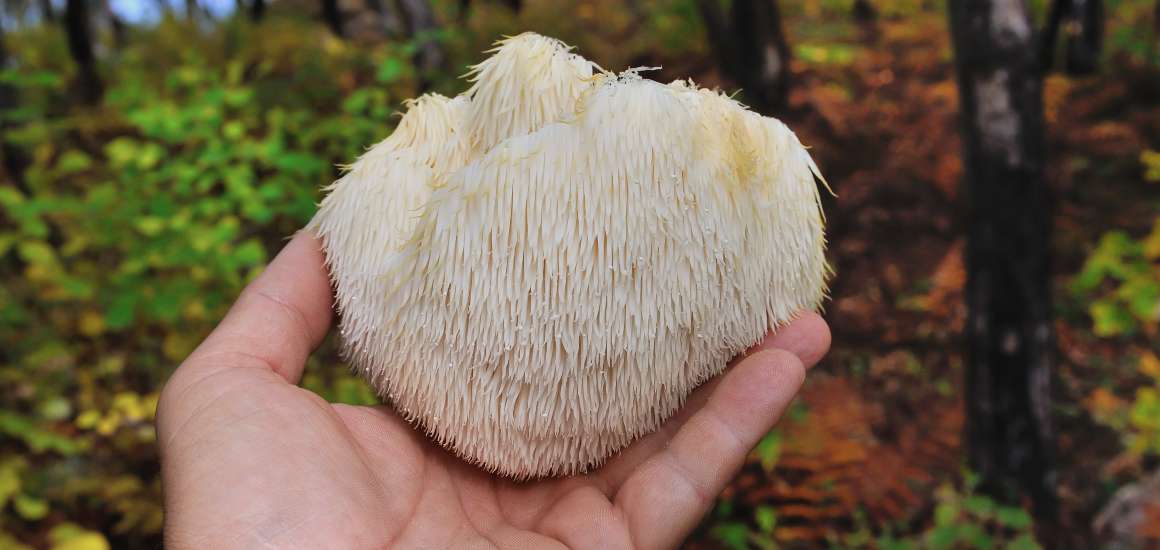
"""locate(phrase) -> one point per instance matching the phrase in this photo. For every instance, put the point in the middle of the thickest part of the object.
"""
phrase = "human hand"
(250, 459)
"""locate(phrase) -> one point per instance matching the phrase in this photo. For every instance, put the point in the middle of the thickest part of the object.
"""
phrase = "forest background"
(156, 154)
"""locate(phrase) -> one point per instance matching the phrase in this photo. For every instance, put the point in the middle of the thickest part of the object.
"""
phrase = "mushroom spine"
(540, 270)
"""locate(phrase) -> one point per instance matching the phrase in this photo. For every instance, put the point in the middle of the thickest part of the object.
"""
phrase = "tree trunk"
(1083, 23)
(419, 19)
(15, 160)
(720, 35)
(864, 11)
(332, 16)
(80, 46)
(47, 13)
(389, 20)
(751, 49)
(257, 10)
(1009, 338)
(118, 28)
(1086, 39)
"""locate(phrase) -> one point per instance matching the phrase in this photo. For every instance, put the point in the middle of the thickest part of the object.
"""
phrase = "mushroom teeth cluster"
(540, 270)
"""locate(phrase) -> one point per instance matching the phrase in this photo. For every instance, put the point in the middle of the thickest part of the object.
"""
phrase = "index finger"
(278, 319)
(678, 485)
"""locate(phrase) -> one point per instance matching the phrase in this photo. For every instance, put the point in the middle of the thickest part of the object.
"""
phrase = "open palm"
(249, 459)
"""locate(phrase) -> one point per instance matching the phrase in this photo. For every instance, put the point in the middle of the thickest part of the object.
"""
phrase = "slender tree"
(390, 22)
(80, 45)
(419, 21)
(257, 10)
(1009, 338)
(465, 7)
(47, 12)
(1083, 22)
(118, 28)
(751, 49)
(15, 161)
(864, 11)
(332, 16)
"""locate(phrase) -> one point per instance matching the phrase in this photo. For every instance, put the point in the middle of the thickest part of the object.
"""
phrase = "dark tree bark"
(1083, 23)
(864, 11)
(15, 160)
(332, 16)
(1086, 41)
(1009, 338)
(390, 22)
(419, 21)
(751, 49)
(47, 13)
(257, 10)
(119, 30)
(465, 8)
(720, 36)
(191, 9)
(80, 47)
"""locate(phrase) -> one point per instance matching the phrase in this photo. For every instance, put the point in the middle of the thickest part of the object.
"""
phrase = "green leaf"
(73, 161)
(732, 535)
(122, 310)
(37, 252)
(946, 513)
(1023, 542)
(1110, 319)
(944, 536)
(11, 471)
(1014, 518)
(121, 151)
(234, 130)
(766, 519)
(250, 253)
(150, 226)
(299, 163)
(979, 506)
(389, 70)
(768, 450)
(30, 508)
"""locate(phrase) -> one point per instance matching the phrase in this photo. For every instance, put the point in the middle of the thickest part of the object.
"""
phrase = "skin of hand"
(249, 459)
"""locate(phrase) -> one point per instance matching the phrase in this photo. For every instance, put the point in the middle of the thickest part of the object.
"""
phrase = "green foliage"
(1136, 420)
(133, 230)
(1121, 278)
(969, 520)
(1138, 42)
(738, 535)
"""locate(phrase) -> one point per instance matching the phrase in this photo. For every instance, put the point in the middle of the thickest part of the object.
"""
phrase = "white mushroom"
(540, 271)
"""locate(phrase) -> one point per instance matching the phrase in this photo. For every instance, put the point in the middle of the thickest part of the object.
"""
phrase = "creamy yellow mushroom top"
(540, 270)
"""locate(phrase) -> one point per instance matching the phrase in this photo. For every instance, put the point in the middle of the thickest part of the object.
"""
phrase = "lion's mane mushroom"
(540, 270)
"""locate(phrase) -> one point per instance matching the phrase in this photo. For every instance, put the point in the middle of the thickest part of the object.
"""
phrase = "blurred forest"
(157, 154)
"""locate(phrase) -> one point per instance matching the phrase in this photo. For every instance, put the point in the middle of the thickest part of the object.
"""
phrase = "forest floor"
(876, 436)
(230, 131)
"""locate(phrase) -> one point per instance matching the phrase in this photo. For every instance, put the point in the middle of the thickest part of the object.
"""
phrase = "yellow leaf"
(91, 323)
(129, 405)
(1105, 407)
(177, 347)
(1152, 242)
(68, 536)
(88, 419)
(109, 424)
(87, 541)
(1150, 365)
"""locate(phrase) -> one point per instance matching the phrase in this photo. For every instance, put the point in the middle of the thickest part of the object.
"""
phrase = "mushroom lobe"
(539, 271)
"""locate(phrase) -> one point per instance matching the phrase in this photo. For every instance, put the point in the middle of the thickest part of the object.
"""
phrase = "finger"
(807, 337)
(669, 493)
(278, 319)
